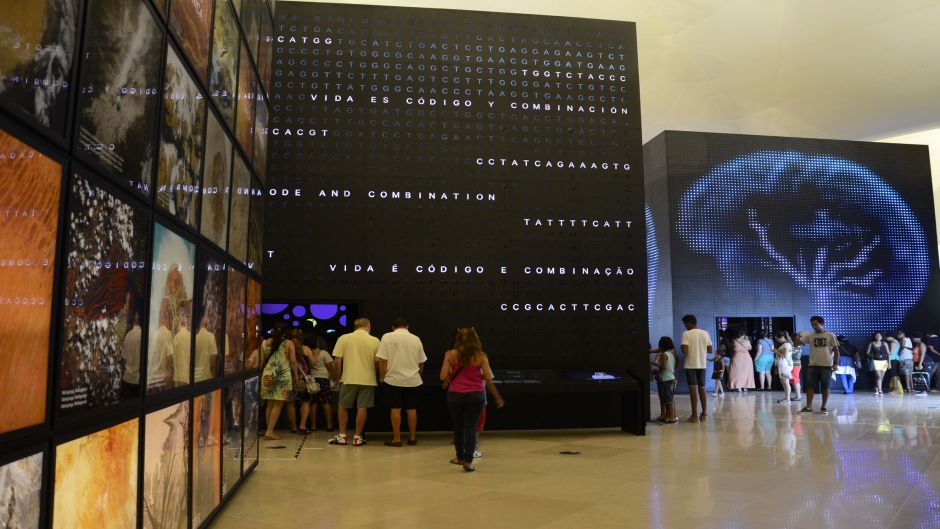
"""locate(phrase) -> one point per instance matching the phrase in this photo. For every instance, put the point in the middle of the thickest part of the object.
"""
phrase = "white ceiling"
(846, 69)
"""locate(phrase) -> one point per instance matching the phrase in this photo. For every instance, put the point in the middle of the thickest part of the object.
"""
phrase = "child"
(666, 380)
(718, 374)
(788, 366)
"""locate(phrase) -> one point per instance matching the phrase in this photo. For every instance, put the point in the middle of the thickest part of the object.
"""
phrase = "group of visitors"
(803, 362)
(297, 369)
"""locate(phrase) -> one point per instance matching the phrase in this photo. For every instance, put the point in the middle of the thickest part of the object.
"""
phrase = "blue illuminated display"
(652, 262)
(821, 231)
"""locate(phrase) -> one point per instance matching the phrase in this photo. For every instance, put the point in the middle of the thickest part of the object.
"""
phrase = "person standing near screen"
(401, 362)
(823, 358)
(696, 346)
(354, 355)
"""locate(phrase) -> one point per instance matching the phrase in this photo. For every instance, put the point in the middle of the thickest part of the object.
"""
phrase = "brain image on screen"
(825, 227)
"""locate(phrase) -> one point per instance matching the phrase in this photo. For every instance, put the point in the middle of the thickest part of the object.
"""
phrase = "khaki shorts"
(356, 396)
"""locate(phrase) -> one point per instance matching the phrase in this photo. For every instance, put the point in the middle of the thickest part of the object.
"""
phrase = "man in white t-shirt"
(696, 346)
(401, 361)
(823, 358)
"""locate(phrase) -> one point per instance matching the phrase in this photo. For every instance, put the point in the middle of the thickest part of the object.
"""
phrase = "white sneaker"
(477, 454)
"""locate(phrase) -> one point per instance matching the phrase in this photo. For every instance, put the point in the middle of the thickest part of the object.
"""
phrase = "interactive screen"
(232, 424)
(106, 274)
(207, 471)
(96, 480)
(210, 319)
(223, 76)
(36, 58)
(119, 90)
(169, 347)
(251, 444)
(20, 492)
(238, 219)
(191, 21)
(181, 142)
(166, 467)
(245, 109)
(235, 334)
(216, 179)
(485, 171)
(29, 226)
(764, 226)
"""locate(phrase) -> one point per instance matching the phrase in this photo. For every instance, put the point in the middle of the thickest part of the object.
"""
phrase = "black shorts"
(666, 390)
(817, 377)
(695, 377)
(398, 397)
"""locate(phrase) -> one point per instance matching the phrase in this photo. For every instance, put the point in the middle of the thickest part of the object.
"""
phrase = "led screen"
(238, 224)
(251, 444)
(265, 51)
(232, 424)
(36, 57)
(253, 352)
(245, 109)
(29, 225)
(106, 270)
(500, 187)
(20, 492)
(119, 90)
(181, 142)
(235, 333)
(223, 76)
(763, 226)
(191, 21)
(166, 466)
(216, 179)
(169, 346)
(210, 319)
(96, 480)
(207, 471)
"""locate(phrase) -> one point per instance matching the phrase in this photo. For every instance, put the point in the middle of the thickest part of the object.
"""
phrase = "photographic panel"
(181, 142)
(207, 470)
(30, 198)
(166, 466)
(223, 75)
(119, 90)
(37, 56)
(235, 322)
(210, 319)
(105, 277)
(233, 402)
(21, 492)
(169, 346)
(216, 179)
(96, 480)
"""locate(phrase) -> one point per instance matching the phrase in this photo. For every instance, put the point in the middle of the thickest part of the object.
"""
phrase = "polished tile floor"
(871, 463)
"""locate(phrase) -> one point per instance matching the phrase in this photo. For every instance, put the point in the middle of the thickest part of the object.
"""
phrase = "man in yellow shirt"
(356, 363)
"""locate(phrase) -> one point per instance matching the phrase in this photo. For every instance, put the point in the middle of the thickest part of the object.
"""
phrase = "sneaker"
(358, 440)
(477, 454)
(338, 440)
(806, 409)
(784, 401)
(823, 411)
(796, 399)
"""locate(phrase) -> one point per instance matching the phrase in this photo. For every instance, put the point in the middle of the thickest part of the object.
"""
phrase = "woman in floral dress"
(277, 376)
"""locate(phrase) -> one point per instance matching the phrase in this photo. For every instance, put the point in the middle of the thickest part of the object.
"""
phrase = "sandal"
(468, 467)
(396, 444)
(272, 437)
(412, 442)
(456, 461)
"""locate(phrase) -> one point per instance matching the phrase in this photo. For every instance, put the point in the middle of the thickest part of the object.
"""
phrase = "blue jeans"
(848, 383)
(465, 410)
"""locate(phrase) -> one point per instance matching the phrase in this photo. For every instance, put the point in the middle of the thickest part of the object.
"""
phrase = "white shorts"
(784, 370)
